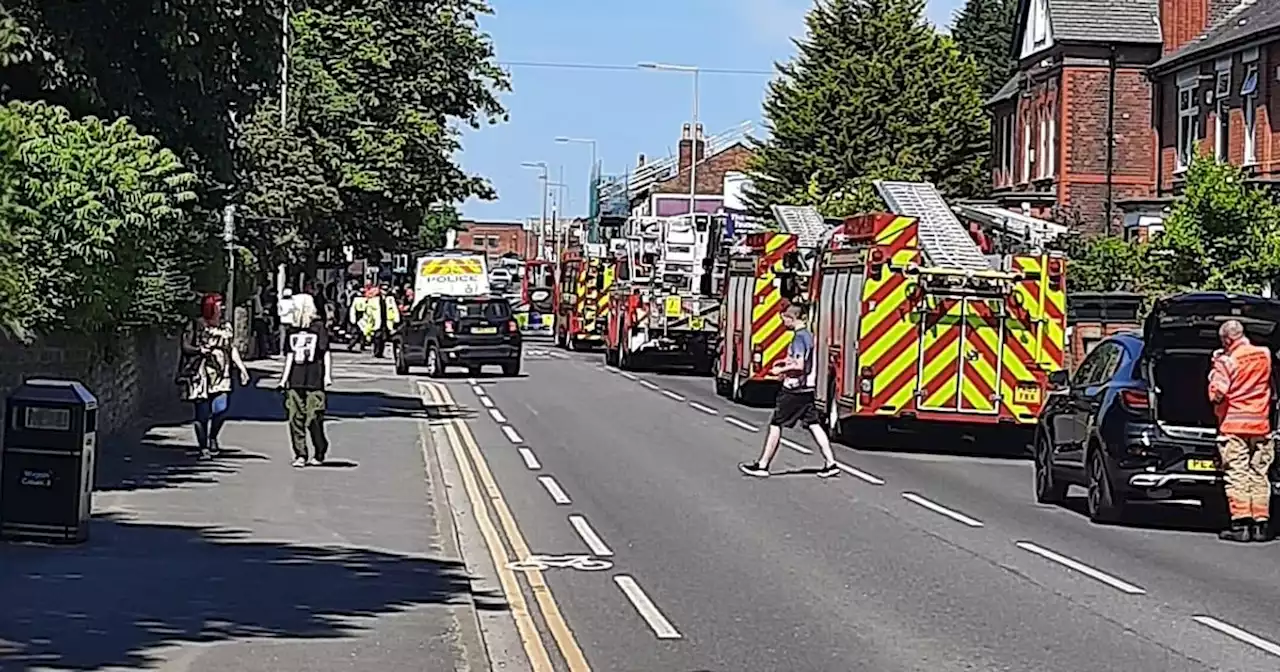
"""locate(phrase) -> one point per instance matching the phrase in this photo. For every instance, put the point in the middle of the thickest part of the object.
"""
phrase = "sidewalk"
(244, 563)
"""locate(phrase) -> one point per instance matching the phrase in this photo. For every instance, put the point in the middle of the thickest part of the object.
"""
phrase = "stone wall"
(131, 374)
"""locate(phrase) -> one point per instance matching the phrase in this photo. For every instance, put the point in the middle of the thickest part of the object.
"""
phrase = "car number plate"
(1026, 395)
(695, 322)
(1202, 465)
(484, 330)
(673, 306)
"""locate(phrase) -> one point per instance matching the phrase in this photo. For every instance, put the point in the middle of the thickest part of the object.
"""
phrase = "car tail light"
(448, 327)
(512, 326)
(1135, 400)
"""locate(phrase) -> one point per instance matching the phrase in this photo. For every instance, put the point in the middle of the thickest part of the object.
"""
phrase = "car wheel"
(511, 368)
(435, 368)
(1049, 490)
(397, 352)
(1102, 506)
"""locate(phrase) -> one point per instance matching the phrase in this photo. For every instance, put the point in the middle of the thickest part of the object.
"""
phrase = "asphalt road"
(904, 562)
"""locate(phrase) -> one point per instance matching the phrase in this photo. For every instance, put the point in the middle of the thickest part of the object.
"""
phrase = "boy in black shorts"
(795, 399)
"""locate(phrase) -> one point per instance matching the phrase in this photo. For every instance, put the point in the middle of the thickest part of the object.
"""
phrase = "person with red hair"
(204, 372)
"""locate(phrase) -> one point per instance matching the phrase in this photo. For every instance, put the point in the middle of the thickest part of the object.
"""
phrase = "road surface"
(649, 551)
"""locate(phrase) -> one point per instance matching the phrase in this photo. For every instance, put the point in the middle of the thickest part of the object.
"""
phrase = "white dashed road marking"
(704, 408)
(486, 402)
(650, 385)
(478, 390)
(553, 488)
(1242, 635)
(589, 536)
(1099, 575)
(628, 376)
(497, 415)
(740, 424)
(796, 447)
(511, 434)
(648, 611)
(530, 460)
(940, 509)
(471, 381)
(871, 478)
(673, 395)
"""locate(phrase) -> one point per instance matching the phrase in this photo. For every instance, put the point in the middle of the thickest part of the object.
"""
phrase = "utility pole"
(693, 152)
(284, 65)
(229, 241)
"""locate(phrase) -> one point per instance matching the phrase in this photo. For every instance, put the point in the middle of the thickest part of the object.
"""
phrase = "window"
(1221, 110)
(1249, 103)
(1026, 149)
(1188, 122)
(1006, 159)
(1042, 166)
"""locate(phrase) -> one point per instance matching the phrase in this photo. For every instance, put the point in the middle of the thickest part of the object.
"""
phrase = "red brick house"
(1217, 90)
(662, 187)
(1082, 69)
(495, 238)
(1165, 75)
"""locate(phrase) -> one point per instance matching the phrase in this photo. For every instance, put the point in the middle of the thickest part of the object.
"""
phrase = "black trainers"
(829, 471)
(753, 469)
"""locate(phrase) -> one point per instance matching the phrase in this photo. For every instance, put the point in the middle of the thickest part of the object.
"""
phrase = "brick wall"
(710, 172)
(496, 239)
(131, 376)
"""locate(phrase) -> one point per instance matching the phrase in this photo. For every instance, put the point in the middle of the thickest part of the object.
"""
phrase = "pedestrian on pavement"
(387, 318)
(795, 404)
(204, 372)
(1240, 389)
(284, 310)
(308, 372)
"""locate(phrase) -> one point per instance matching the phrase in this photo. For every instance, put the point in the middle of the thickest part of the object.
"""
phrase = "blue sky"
(628, 111)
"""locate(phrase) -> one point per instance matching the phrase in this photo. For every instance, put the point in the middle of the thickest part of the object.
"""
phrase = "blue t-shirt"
(801, 348)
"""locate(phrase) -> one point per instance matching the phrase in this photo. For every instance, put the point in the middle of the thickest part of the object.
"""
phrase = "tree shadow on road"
(136, 587)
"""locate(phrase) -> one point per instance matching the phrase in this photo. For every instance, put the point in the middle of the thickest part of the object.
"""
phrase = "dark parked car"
(1134, 422)
(444, 331)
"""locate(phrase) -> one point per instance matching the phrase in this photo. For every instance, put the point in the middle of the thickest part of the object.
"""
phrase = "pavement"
(579, 517)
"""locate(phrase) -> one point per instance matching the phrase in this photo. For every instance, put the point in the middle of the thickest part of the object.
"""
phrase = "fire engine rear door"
(980, 364)
(941, 346)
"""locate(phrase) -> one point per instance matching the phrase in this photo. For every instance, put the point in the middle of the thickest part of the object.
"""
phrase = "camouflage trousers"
(1246, 461)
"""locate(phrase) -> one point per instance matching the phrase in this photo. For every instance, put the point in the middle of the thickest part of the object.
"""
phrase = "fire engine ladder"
(943, 239)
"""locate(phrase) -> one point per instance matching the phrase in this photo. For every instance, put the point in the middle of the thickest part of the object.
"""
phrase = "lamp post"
(562, 199)
(542, 226)
(693, 152)
(592, 234)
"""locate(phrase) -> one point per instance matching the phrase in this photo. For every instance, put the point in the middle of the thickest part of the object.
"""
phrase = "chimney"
(1182, 21)
(691, 148)
(640, 161)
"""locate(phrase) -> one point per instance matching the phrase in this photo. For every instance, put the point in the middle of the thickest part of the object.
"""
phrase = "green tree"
(984, 29)
(1221, 235)
(1102, 263)
(436, 225)
(378, 93)
(874, 92)
(101, 218)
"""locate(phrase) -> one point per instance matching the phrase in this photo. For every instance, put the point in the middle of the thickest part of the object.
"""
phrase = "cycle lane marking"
(589, 536)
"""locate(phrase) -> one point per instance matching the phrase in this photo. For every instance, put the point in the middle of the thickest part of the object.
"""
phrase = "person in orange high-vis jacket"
(1240, 389)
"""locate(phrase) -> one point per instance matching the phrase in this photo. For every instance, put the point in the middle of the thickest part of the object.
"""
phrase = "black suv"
(1134, 422)
(444, 331)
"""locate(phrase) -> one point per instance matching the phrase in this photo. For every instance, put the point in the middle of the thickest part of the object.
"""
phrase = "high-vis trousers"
(1246, 461)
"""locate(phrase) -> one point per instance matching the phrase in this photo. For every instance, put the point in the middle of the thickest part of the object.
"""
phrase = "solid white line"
(704, 408)
(558, 355)
(870, 478)
(1242, 635)
(589, 536)
(659, 623)
(486, 402)
(649, 385)
(471, 381)
(1122, 586)
(477, 389)
(530, 460)
(796, 447)
(497, 415)
(628, 376)
(673, 395)
(738, 423)
(557, 493)
(511, 434)
(938, 508)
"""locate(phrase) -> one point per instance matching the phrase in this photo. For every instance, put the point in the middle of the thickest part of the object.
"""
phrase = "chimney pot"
(686, 133)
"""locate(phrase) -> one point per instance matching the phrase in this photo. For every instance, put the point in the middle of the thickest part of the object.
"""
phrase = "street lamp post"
(693, 151)
(557, 231)
(542, 226)
(592, 234)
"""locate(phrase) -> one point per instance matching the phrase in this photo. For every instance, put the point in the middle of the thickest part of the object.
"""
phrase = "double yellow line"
(471, 463)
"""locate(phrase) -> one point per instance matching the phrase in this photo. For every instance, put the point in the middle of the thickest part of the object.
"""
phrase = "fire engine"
(582, 296)
(536, 309)
(662, 307)
(919, 328)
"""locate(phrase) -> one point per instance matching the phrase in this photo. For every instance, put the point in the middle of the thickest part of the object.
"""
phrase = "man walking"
(795, 399)
(1240, 389)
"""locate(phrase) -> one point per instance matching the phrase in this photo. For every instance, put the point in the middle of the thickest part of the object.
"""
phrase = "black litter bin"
(46, 462)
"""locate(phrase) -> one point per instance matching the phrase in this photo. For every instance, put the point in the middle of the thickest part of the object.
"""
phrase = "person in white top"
(284, 311)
